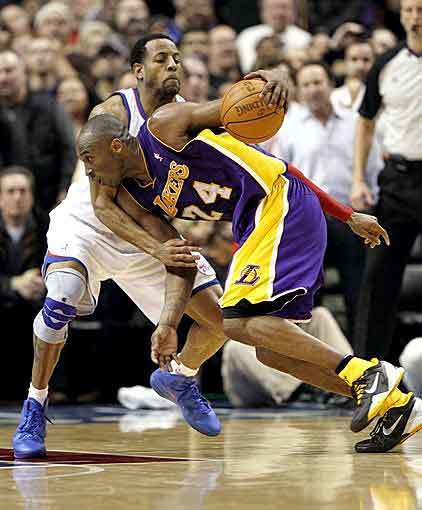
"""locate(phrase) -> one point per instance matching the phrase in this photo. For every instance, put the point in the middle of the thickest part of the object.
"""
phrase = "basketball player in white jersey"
(91, 239)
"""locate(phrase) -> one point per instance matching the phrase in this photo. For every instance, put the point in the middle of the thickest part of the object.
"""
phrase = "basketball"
(246, 116)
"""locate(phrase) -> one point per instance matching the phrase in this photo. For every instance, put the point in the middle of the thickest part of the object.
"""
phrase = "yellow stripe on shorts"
(252, 271)
(264, 169)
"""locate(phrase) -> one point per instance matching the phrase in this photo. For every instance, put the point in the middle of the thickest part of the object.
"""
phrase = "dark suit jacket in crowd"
(41, 139)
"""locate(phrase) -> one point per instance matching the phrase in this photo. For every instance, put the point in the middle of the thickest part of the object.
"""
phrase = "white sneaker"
(137, 397)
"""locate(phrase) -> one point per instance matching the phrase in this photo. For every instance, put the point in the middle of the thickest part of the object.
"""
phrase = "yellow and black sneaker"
(371, 390)
(398, 424)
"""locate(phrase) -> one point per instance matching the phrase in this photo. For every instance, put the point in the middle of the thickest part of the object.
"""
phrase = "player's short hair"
(102, 127)
(18, 170)
(318, 63)
(137, 55)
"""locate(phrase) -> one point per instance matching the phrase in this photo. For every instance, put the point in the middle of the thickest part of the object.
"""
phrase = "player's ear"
(138, 71)
(116, 146)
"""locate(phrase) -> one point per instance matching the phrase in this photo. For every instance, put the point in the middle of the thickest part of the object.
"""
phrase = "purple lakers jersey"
(213, 177)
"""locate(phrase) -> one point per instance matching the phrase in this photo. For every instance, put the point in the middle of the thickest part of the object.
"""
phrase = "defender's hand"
(177, 253)
(276, 90)
(367, 226)
(163, 345)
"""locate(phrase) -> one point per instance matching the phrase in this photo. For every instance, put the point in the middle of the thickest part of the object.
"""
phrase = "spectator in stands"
(15, 20)
(22, 248)
(382, 40)
(20, 45)
(223, 60)
(92, 36)
(191, 15)
(109, 64)
(359, 58)
(45, 66)
(320, 44)
(194, 42)
(42, 135)
(296, 57)
(277, 17)
(54, 20)
(394, 87)
(327, 159)
(269, 52)
(195, 82)
(131, 18)
(249, 383)
(73, 96)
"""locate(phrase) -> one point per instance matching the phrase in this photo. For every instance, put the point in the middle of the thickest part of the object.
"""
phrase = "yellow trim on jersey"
(259, 252)
(264, 169)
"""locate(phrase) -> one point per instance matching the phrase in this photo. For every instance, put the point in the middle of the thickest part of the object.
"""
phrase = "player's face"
(314, 87)
(411, 17)
(162, 67)
(99, 161)
(359, 60)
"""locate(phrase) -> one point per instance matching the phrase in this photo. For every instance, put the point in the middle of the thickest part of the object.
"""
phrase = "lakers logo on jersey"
(167, 201)
(249, 275)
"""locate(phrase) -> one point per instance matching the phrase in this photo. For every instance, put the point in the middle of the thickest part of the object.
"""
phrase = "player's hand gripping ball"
(246, 116)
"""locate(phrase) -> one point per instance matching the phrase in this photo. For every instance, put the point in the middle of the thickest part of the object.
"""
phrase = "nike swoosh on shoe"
(374, 386)
(390, 430)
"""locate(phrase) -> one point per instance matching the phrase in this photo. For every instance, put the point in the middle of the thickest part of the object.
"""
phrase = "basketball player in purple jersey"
(179, 168)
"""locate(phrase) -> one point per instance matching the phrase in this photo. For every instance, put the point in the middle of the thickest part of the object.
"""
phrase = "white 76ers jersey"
(78, 200)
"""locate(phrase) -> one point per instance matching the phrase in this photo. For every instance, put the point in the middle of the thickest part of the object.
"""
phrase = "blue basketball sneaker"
(29, 438)
(184, 392)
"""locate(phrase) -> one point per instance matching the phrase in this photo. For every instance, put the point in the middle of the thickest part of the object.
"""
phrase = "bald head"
(99, 130)
(12, 76)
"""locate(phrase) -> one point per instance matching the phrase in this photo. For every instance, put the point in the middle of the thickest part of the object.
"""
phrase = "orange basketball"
(246, 116)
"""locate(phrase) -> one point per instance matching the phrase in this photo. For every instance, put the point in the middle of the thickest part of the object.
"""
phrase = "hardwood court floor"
(262, 460)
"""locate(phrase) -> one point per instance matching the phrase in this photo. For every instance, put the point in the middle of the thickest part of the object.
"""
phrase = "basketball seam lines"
(245, 97)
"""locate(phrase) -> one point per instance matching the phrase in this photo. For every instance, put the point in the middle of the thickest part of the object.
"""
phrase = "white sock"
(181, 369)
(39, 395)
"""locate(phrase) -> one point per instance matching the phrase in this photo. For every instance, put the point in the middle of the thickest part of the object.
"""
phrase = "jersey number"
(208, 193)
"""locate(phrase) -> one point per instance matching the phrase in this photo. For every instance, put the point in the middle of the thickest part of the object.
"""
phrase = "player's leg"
(371, 382)
(66, 284)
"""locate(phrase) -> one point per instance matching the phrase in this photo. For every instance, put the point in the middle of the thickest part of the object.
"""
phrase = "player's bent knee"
(65, 288)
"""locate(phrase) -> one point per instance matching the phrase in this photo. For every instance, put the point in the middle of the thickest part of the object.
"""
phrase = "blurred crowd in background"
(59, 59)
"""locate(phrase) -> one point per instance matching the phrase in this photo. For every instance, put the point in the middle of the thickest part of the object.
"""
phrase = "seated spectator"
(191, 15)
(92, 36)
(15, 20)
(110, 62)
(194, 42)
(327, 159)
(73, 96)
(22, 248)
(269, 52)
(382, 40)
(131, 19)
(249, 383)
(54, 20)
(195, 82)
(296, 57)
(20, 45)
(320, 44)
(277, 18)
(42, 135)
(223, 59)
(359, 57)
(45, 65)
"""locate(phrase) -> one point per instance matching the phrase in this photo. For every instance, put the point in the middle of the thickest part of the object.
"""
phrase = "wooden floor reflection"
(276, 462)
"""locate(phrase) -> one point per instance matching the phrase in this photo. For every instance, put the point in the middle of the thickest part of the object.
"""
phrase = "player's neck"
(150, 101)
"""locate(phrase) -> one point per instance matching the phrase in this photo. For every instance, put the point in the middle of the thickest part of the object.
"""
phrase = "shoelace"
(34, 424)
(195, 394)
(358, 389)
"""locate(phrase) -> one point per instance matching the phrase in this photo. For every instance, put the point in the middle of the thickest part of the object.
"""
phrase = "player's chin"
(172, 87)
